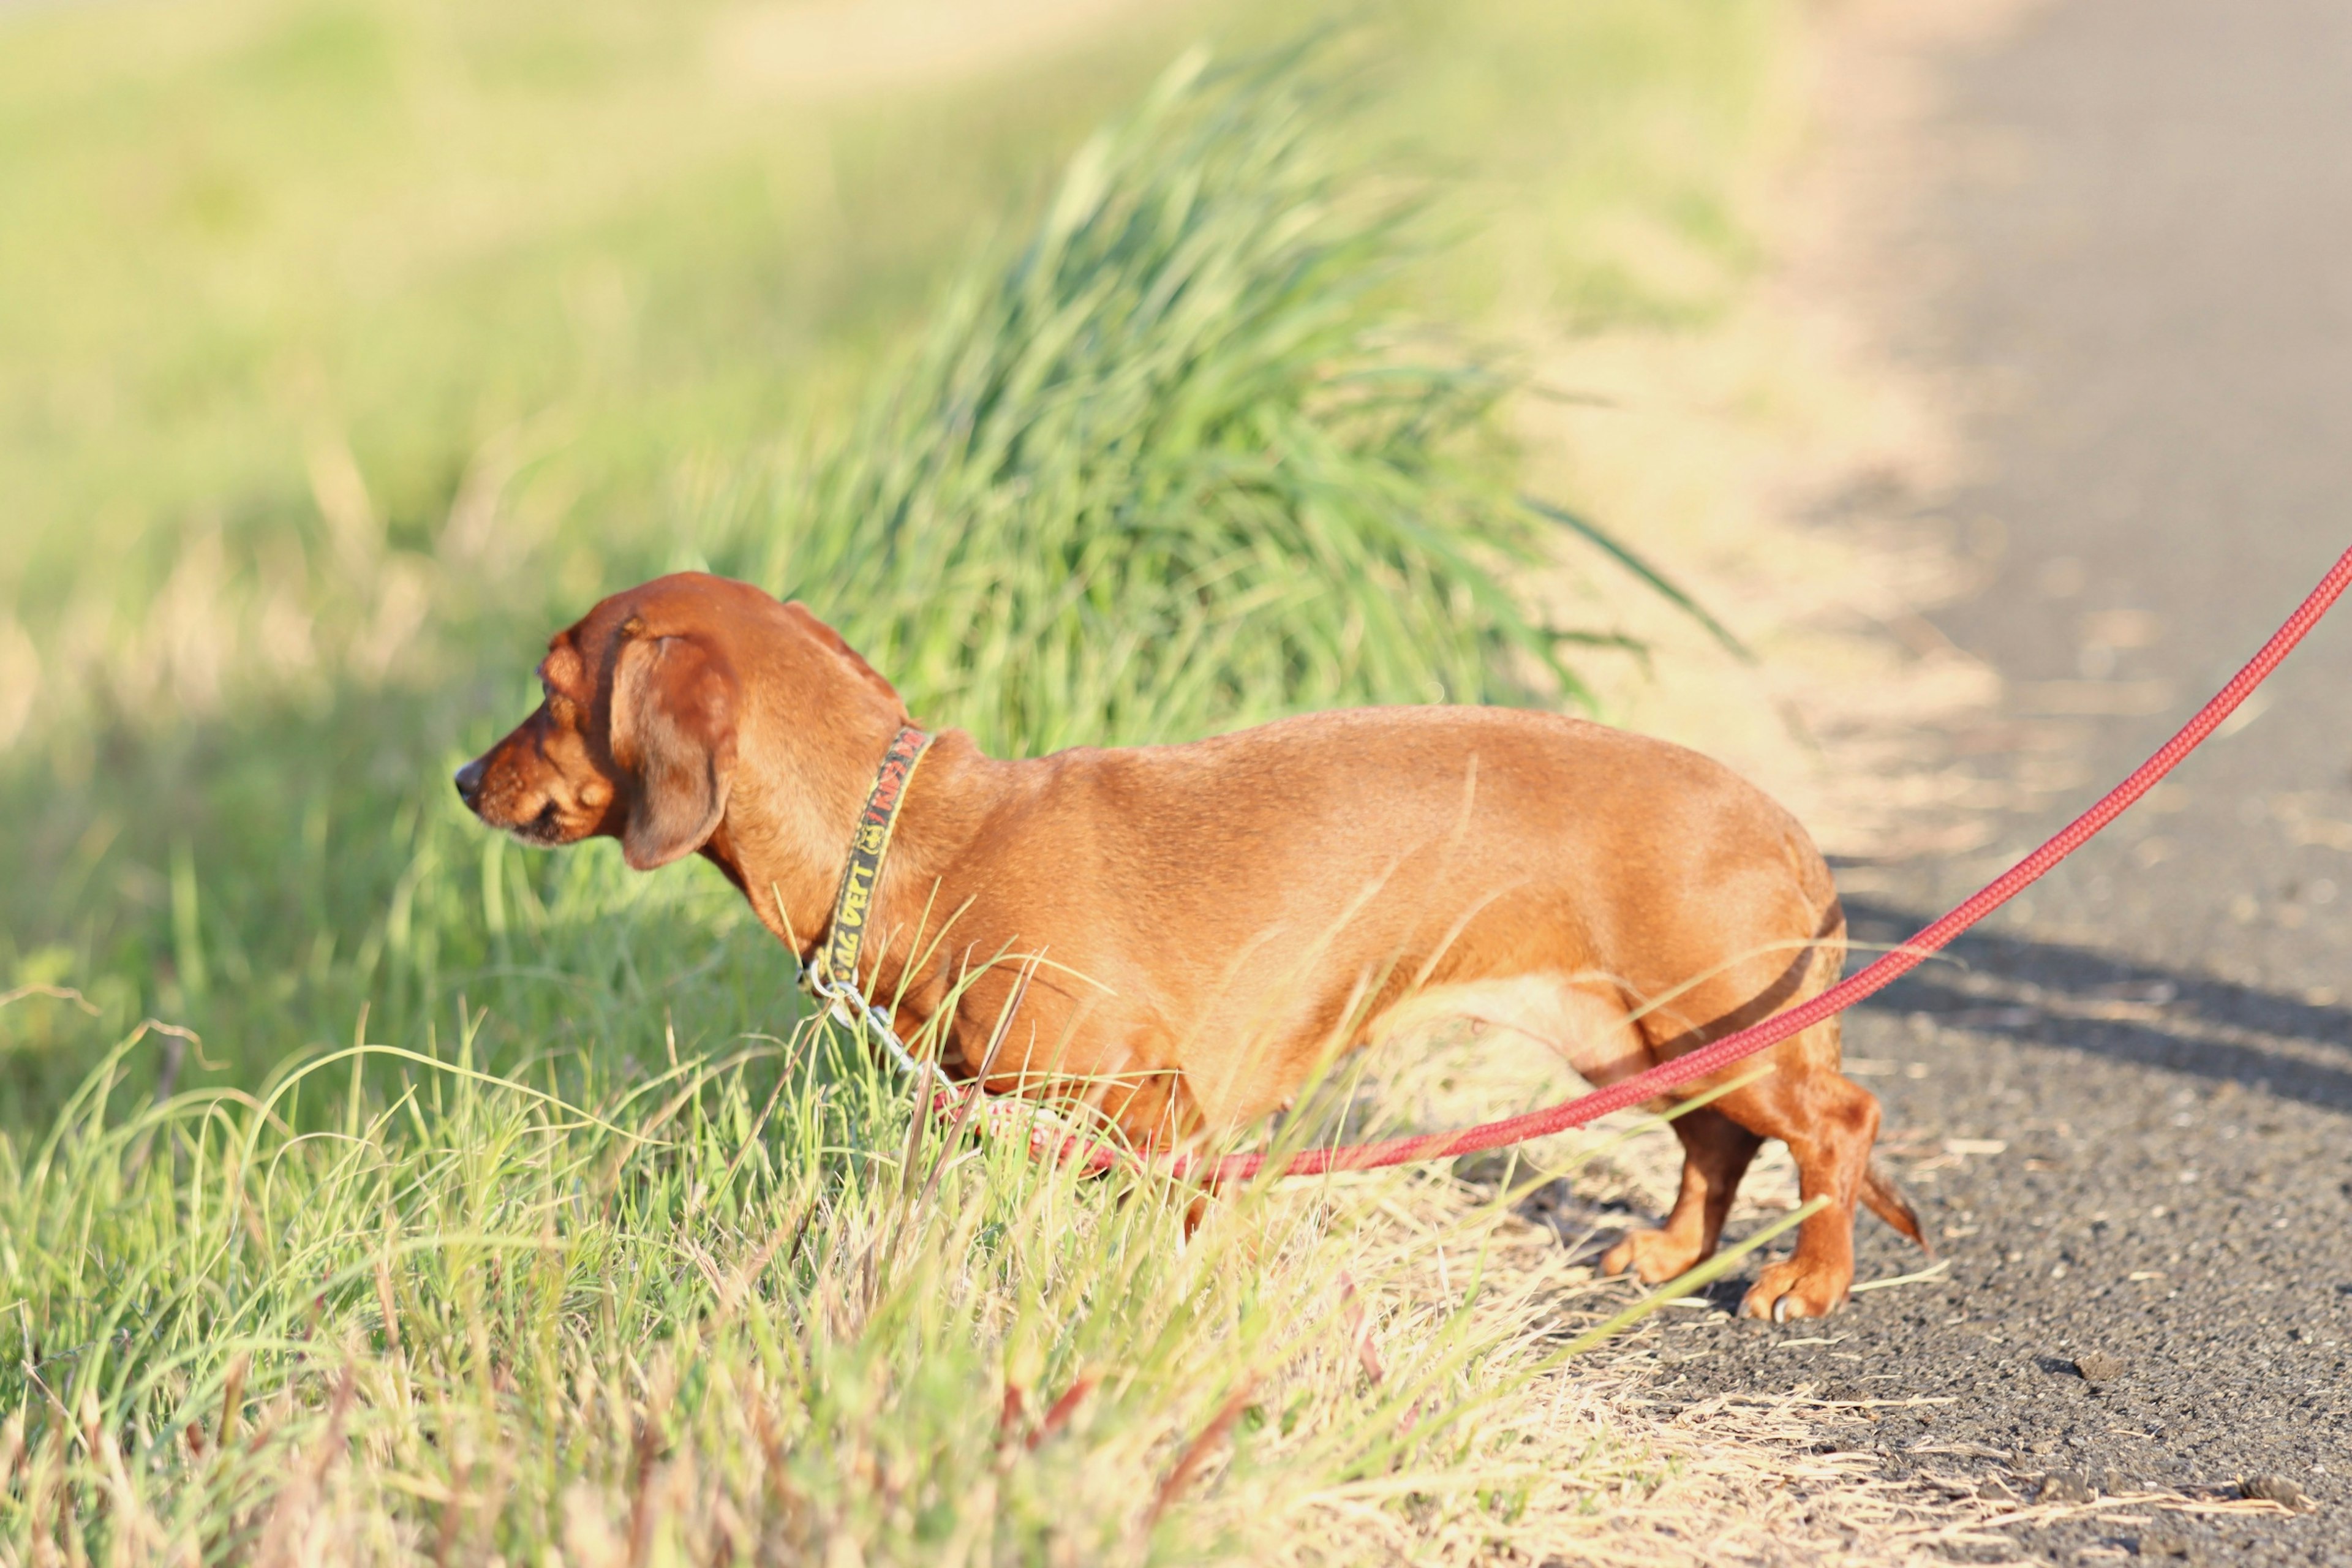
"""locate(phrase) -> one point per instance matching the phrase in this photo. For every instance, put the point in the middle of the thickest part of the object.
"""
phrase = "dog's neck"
(815, 724)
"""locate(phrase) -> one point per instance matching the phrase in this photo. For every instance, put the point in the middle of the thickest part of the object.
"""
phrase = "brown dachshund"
(1207, 923)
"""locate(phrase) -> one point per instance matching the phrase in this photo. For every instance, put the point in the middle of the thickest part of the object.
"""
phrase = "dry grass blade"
(1933, 1271)
(1196, 1453)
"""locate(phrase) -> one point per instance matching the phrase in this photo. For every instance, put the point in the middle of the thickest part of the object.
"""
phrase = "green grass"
(361, 346)
(727, 1310)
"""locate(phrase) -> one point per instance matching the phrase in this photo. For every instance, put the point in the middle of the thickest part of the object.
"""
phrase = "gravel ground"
(2128, 1113)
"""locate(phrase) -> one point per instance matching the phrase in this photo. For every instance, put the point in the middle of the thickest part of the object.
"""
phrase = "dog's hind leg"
(1715, 1153)
(1829, 1123)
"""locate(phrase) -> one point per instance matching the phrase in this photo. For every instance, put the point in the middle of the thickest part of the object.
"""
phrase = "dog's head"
(636, 738)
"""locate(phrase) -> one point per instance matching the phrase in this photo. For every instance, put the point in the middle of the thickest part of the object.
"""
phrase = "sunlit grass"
(510, 1204)
(729, 1309)
(1169, 469)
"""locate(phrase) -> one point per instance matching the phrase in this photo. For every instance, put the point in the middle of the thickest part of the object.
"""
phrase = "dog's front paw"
(1649, 1256)
(1796, 1289)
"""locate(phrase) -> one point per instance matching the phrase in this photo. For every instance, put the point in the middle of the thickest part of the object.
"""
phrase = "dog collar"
(836, 959)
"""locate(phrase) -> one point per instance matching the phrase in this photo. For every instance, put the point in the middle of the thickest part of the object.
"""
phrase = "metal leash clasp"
(1047, 1133)
(849, 1007)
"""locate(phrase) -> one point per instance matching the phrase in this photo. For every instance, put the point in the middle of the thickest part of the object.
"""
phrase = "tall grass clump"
(1181, 463)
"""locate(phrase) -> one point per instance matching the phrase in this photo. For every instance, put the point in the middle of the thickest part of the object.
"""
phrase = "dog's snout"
(469, 781)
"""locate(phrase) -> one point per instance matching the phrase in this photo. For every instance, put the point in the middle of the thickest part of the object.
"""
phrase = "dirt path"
(2128, 1116)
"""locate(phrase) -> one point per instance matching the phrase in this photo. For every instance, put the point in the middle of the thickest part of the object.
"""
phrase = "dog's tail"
(1885, 1199)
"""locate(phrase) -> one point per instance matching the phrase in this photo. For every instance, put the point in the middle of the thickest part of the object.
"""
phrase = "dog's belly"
(1587, 1025)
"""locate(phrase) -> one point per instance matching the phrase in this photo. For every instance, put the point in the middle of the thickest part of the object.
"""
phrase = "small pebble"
(2098, 1366)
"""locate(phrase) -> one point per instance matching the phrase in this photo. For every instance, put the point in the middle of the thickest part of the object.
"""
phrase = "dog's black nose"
(469, 781)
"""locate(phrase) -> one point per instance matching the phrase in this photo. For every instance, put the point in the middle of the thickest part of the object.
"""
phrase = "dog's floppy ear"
(674, 732)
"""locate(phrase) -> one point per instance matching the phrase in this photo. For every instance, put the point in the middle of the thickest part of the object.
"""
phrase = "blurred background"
(348, 349)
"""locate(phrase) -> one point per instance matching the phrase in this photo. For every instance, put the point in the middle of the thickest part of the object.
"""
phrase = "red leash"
(1722, 1052)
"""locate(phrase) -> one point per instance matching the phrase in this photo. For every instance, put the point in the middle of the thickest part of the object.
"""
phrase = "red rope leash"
(1722, 1052)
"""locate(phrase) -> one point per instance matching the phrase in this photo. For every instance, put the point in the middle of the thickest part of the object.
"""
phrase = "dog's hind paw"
(1652, 1256)
(1796, 1289)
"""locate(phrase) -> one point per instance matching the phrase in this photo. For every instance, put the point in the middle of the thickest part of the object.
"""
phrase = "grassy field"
(508, 1204)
